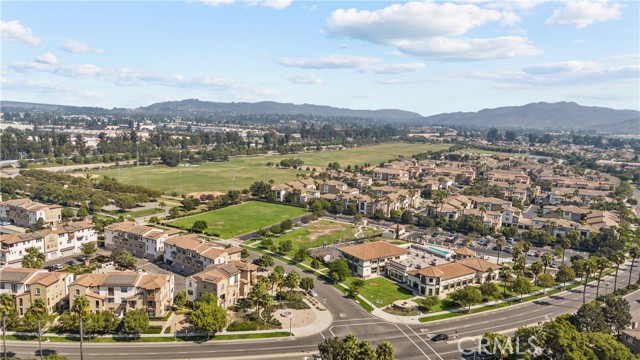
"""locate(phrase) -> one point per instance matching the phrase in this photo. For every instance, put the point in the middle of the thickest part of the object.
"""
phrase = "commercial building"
(444, 278)
(370, 259)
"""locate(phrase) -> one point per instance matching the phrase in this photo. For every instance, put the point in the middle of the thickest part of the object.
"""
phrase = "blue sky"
(428, 57)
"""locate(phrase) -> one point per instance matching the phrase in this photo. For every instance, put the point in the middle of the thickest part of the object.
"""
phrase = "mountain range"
(540, 115)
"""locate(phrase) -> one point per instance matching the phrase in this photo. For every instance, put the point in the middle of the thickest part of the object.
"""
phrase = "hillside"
(541, 115)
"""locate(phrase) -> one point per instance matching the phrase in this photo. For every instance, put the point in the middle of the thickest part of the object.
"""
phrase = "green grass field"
(240, 219)
(382, 292)
(238, 173)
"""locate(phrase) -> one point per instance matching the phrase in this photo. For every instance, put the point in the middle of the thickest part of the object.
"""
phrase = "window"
(97, 304)
(111, 300)
(123, 289)
(37, 291)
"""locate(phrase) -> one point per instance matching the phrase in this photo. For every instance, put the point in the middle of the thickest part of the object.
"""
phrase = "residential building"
(120, 292)
(189, 255)
(25, 213)
(13, 247)
(370, 259)
(141, 241)
(26, 285)
(229, 282)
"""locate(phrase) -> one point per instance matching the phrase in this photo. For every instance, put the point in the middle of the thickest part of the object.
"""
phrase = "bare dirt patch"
(324, 230)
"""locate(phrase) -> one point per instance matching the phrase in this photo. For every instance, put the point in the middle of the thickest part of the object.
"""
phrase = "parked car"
(553, 266)
(317, 357)
(5, 223)
(440, 337)
(538, 253)
(531, 253)
(82, 258)
(509, 241)
(448, 240)
(71, 262)
(312, 293)
(483, 243)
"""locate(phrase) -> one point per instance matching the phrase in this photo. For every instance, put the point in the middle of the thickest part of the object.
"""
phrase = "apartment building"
(517, 177)
(141, 241)
(26, 285)
(59, 241)
(25, 213)
(189, 254)
(387, 174)
(229, 282)
(370, 259)
(120, 292)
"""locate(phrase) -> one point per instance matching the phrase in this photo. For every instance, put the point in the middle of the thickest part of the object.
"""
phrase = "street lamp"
(290, 324)
(606, 287)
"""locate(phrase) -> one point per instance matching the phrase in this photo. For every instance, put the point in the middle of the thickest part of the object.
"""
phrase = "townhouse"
(370, 259)
(120, 292)
(388, 174)
(299, 191)
(141, 241)
(26, 285)
(26, 213)
(189, 254)
(517, 177)
(13, 247)
(229, 282)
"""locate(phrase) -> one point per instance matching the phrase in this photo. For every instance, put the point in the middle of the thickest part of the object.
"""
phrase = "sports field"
(240, 219)
(240, 172)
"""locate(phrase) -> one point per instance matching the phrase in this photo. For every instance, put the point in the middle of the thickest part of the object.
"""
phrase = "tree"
(331, 348)
(379, 214)
(291, 280)
(536, 268)
(67, 213)
(384, 351)
(490, 290)
(40, 224)
(339, 270)
(564, 274)
(602, 264)
(315, 263)
(500, 244)
(617, 314)
(33, 258)
(467, 296)
(180, 300)
(545, 281)
(522, 286)
(259, 297)
(135, 322)
(174, 212)
(7, 308)
(38, 309)
(634, 252)
(307, 283)
(618, 258)
(357, 218)
(123, 258)
(199, 226)
(406, 217)
(89, 248)
(208, 316)
(286, 225)
(497, 344)
(589, 317)
(588, 267)
(244, 254)
(301, 255)
(82, 212)
(547, 260)
(285, 246)
(265, 260)
(355, 287)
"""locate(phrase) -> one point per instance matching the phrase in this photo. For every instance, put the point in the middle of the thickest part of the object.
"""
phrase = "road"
(411, 342)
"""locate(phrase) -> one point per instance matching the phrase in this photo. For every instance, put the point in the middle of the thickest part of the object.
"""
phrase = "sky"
(424, 56)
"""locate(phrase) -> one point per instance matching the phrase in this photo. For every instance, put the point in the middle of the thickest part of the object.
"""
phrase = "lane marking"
(416, 345)
(419, 337)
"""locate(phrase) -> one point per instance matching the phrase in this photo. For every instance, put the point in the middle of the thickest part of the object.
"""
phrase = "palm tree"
(505, 274)
(588, 268)
(500, 245)
(602, 263)
(259, 297)
(634, 252)
(526, 246)
(7, 305)
(39, 309)
(80, 307)
(565, 243)
(618, 258)
(384, 351)
(547, 259)
(536, 268)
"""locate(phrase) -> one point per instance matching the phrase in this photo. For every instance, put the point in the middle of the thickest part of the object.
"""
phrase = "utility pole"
(81, 336)
(137, 155)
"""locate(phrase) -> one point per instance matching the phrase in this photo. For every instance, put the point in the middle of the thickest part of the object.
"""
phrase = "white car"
(313, 293)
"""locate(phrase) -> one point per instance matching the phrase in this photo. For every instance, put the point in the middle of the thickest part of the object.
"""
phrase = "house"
(13, 247)
(369, 259)
(441, 279)
(332, 187)
(229, 282)
(189, 255)
(631, 339)
(120, 292)
(141, 241)
(26, 285)
(26, 213)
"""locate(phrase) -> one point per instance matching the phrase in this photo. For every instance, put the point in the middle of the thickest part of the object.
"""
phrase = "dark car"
(440, 337)
(477, 355)
(496, 248)
(71, 262)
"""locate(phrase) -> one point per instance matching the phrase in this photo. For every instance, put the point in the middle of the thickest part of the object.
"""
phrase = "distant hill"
(193, 106)
(541, 115)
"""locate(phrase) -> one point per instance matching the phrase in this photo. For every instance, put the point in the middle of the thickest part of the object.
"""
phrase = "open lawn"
(240, 172)
(240, 219)
(382, 292)
(317, 234)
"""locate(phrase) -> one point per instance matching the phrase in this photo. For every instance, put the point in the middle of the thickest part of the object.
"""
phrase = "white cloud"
(70, 70)
(75, 46)
(432, 30)
(304, 78)
(361, 63)
(584, 13)
(14, 31)
(569, 72)
(32, 85)
(217, 2)
(329, 62)
(47, 58)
